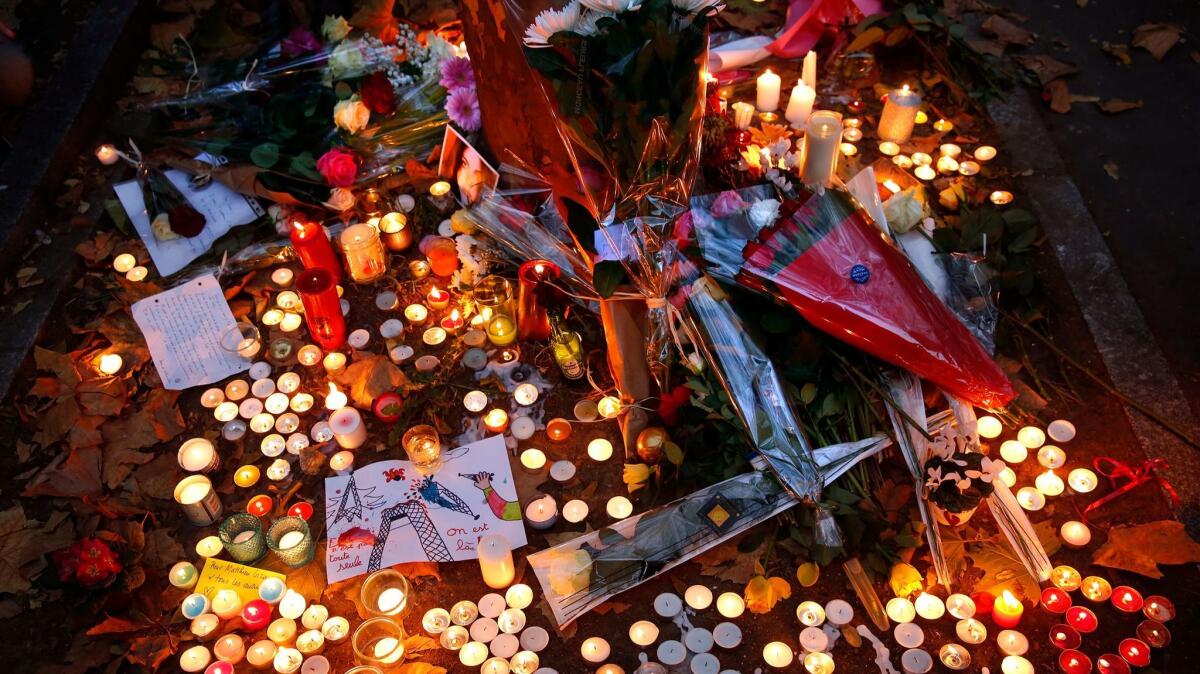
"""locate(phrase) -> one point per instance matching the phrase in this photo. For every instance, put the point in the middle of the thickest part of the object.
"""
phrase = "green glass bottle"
(568, 349)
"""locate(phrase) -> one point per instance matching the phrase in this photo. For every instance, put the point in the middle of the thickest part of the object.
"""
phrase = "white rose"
(351, 114)
(346, 61)
(763, 213)
(335, 28)
(340, 199)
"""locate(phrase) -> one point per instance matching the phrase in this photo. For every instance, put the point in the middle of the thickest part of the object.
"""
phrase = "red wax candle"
(452, 323)
(1082, 619)
(256, 615)
(387, 407)
(302, 509)
(1065, 636)
(1111, 664)
(1072, 661)
(1135, 651)
(1055, 600)
(1127, 599)
(219, 667)
(983, 602)
(1154, 633)
(1007, 610)
(534, 295)
(260, 505)
(1159, 608)
(311, 243)
(322, 308)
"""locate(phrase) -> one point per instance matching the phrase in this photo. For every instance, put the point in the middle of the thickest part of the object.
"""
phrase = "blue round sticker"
(860, 274)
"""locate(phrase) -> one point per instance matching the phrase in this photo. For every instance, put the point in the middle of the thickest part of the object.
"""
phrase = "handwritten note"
(219, 575)
(183, 328)
(222, 207)
(388, 513)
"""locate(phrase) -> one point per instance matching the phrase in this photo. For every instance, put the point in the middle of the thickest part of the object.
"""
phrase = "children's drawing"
(388, 513)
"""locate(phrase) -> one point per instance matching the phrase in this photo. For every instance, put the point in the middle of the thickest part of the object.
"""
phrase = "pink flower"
(457, 74)
(683, 230)
(463, 109)
(300, 41)
(727, 204)
(338, 167)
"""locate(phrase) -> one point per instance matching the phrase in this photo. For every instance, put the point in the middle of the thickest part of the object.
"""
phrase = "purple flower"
(463, 108)
(457, 74)
(300, 41)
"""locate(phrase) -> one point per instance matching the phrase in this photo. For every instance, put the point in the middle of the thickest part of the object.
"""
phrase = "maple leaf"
(420, 668)
(1003, 570)
(1140, 548)
(369, 377)
(1157, 38)
(763, 593)
(308, 580)
(102, 397)
(1006, 31)
(1046, 68)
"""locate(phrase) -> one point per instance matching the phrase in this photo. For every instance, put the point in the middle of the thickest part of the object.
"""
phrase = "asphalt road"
(1149, 211)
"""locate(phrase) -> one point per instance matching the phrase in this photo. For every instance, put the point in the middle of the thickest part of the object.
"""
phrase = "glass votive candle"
(423, 446)
(384, 593)
(242, 536)
(1154, 633)
(1158, 608)
(1066, 578)
(1096, 588)
(954, 657)
(1081, 480)
(379, 642)
(291, 541)
(395, 232)
(454, 637)
(970, 631)
(1065, 636)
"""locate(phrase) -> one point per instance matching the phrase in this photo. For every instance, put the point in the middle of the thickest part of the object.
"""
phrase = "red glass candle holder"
(1082, 619)
(1056, 600)
(1127, 599)
(322, 308)
(535, 293)
(301, 509)
(1111, 663)
(1065, 636)
(311, 243)
(256, 615)
(260, 505)
(983, 602)
(1072, 661)
(1158, 608)
(1154, 633)
(1135, 651)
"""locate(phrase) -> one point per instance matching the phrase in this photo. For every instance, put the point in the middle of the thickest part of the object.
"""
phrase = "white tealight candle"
(1049, 484)
(643, 633)
(1031, 436)
(1015, 664)
(1081, 480)
(698, 640)
(484, 629)
(525, 394)
(698, 597)
(916, 661)
(473, 654)
(730, 604)
(909, 635)
(342, 462)
(1031, 499)
(778, 654)
(562, 471)
(195, 659)
(901, 610)
(137, 274)
(1013, 452)
(671, 652)
(358, 339)
(1075, 534)
(668, 605)
(595, 649)
(519, 596)
(600, 449)
(970, 631)
(1051, 457)
(989, 427)
(392, 328)
(1012, 642)
(814, 639)
(727, 635)
(334, 362)
(535, 639)
(960, 606)
(542, 513)
(619, 507)
(767, 92)
(839, 612)
(810, 614)
(575, 511)
(522, 427)
(929, 607)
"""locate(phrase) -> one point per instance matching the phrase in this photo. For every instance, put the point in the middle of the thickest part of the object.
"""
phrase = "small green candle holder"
(290, 539)
(242, 536)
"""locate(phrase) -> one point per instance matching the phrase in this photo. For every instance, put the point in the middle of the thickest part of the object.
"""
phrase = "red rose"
(186, 221)
(338, 167)
(377, 95)
(669, 404)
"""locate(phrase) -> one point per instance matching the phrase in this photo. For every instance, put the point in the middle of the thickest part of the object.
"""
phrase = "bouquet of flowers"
(957, 479)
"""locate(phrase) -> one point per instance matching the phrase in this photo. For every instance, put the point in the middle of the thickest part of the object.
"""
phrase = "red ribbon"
(1119, 470)
(806, 20)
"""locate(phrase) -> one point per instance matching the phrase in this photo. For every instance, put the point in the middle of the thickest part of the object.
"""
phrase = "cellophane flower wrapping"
(842, 274)
(583, 573)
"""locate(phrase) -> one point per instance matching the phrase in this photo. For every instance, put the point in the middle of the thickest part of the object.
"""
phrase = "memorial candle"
(535, 280)
(821, 147)
(800, 105)
(767, 96)
(322, 308)
(899, 115)
(1007, 610)
(496, 561)
(1071, 661)
(256, 615)
(311, 244)
(366, 260)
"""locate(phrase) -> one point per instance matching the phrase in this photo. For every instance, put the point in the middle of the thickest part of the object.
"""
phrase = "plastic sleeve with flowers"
(623, 78)
(583, 573)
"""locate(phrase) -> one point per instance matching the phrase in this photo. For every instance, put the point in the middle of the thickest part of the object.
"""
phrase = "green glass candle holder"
(242, 536)
(291, 541)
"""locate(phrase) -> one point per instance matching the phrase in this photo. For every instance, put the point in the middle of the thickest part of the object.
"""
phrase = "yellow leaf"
(763, 593)
(905, 580)
(807, 574)
(673, 453)
(635, 476)
(897, 35)
(865, 39)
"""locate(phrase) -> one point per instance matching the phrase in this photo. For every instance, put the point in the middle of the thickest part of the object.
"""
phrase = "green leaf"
(581, 222)
(978, 224)
(265, 155)
(808, 393)
(1023, 241)
(607, 276)
(831, 405)
(304, 164)
(1018, 217)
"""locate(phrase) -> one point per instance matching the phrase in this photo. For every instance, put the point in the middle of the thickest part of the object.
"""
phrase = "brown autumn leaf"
(1114, 105)
(420, 668)
(57, 422)
(155, 420)
(150, 650)
(1046, 68)
(15, 540)
(369, 377)
(157, 479)
(414, 570)
(72, 475)
(60, 364)
(610, 606)
(1157, 38)
(103, 397)
(375, 17)
(1140, 548)
(1119, 52)
(1060, 96)
(986, 47)
(86, 432)
(1006, 31)
(98, 247)
(162, 35)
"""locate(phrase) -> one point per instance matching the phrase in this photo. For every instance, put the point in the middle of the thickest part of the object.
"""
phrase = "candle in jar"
(821, 141)
(542, 513)
(767, 92)
(575, 511)
(394, 230)
(194, 659)
(600, 449)
(1081, 480)
(496, 420)
(496, 561)
(619, 507)
(1075, 534)
(800, 105)
(199, 501)
(899, 115)
(365, 258)
(777, 654)
(730, 604)
(1007, 610)
(501, 330)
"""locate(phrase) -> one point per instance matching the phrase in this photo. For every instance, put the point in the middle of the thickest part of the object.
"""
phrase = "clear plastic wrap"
(844, 277)
(582, 573)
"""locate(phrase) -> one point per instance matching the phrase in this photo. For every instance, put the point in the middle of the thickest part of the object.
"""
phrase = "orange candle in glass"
(558, 429)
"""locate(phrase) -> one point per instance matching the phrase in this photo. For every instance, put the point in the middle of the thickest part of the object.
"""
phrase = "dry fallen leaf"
(1142, 547)
(1120, 52)
(1157, 38)
(1006, 31)
(1060, 96)
(1046, 68)
(1114, 105)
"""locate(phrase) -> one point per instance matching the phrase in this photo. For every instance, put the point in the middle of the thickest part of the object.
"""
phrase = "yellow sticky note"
(219, 575)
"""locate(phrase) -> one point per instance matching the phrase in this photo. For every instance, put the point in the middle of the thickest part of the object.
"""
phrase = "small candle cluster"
(295, 639)
(492, 633)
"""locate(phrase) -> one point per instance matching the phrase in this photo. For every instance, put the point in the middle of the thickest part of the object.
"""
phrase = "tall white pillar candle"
(800, 105)
(821, 147)
(809, 72)
(496, 561)
(767, 99)
(348, 428)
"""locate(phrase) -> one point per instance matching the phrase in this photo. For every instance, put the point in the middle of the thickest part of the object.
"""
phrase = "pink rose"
(727, 204)
(338, 167)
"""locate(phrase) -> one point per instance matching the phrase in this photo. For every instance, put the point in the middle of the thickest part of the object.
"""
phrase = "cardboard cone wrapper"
(624, 322)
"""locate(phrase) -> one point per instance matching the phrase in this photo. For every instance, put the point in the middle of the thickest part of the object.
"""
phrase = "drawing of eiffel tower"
(427, 534)
(350, 507)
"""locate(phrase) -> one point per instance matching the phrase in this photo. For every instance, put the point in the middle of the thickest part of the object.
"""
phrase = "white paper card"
(387, 513)
(222, 207)
(183, 328)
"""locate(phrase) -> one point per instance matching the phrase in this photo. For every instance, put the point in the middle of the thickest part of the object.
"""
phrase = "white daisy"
(552, 21)
(587, 25)
(613, 6)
